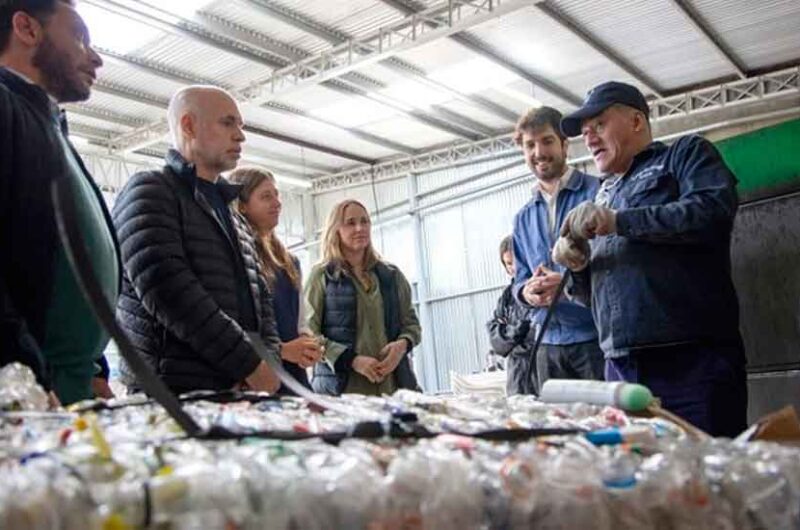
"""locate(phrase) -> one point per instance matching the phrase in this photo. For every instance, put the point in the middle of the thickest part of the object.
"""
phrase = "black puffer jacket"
(179, 302)
(513, 337)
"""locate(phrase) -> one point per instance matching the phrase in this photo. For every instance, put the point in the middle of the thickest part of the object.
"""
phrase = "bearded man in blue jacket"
(569, 347)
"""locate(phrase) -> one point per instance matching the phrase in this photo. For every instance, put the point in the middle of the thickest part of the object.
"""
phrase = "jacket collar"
(575, 182)
(35, 94)
(652, 149)
(186, 172)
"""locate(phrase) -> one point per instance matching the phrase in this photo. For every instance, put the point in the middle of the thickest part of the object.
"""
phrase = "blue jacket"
(665, 276)
(533, 242)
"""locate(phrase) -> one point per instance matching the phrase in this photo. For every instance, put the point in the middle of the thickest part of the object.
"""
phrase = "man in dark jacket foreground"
(45, 323)
(192, 288)
(658, 270)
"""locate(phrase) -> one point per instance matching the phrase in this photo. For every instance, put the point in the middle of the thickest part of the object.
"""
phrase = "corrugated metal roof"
(355, 17)
(410, 132)
(316, 132)
(298, 152)
(761, 34)
(249, 15)
(205, 60)
(123, 106)
(547, 49)
(125, 76)
(112, 128)
(653, 36)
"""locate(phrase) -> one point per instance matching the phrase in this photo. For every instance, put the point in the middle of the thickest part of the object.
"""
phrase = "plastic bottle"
(614, 436)
(626, 396)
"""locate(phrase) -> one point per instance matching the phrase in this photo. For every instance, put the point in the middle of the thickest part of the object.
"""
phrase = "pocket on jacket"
(653, 190)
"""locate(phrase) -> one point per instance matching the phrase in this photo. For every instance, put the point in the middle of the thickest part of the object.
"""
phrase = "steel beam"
(184, 78)
(147, 135)
(778, 84)
(694, 18)
(335, 37)
(141, 137)
(603, 49)
(250, 42)
(410, 32)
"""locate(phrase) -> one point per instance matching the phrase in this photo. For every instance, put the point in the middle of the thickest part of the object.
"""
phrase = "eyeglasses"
(596, 128)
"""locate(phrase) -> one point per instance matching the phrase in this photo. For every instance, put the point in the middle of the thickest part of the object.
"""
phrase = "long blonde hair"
(332, 243)
(273, 256)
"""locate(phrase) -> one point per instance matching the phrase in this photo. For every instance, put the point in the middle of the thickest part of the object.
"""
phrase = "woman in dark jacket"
(361, 307)
(259, 202)
(511, 333)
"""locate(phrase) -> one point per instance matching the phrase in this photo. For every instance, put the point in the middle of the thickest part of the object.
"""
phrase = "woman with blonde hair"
(259, 203)
(361, 307)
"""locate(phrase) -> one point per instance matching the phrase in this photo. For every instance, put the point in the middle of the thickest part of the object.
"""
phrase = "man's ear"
(639, 121)
(188, 126)
(27, 29)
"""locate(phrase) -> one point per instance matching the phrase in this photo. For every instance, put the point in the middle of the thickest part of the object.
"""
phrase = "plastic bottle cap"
(635, 397)
(115, 522)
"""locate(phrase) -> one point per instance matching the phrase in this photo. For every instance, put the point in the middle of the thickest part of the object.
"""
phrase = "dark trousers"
(582, 360)
(704, 384)
(520, 374)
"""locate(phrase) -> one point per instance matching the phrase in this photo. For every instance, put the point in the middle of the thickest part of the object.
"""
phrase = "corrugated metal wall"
(464, 272)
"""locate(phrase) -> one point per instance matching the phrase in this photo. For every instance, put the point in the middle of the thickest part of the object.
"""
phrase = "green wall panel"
(766, 161)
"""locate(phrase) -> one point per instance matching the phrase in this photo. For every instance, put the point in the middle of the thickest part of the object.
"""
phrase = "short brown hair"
(506, 245)
(537, 118)
(38, 9)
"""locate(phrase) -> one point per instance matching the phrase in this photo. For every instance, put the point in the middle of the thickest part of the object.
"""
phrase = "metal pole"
(428, 328)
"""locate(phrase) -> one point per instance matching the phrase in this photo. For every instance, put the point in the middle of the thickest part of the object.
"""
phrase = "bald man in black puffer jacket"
(192, 288)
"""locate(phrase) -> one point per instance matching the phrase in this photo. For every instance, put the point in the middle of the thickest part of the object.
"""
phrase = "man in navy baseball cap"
(599, 99)
(657, 272)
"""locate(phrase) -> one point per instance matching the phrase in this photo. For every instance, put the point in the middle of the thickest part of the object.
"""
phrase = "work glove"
(588, 220)
(572, 253)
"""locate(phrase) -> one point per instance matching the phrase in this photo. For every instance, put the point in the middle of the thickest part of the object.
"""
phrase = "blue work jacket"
(665, 276)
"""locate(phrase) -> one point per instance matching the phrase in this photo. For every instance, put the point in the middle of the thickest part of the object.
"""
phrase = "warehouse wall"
(766, 260)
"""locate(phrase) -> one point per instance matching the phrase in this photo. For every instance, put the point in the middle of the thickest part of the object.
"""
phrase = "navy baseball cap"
(599, 99)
